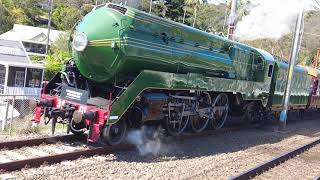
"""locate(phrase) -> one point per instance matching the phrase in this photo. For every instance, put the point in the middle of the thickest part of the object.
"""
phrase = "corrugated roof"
(13, 52)
(30, 33)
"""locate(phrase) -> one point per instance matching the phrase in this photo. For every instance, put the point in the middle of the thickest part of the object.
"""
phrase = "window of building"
(2, 75)
(19, 79)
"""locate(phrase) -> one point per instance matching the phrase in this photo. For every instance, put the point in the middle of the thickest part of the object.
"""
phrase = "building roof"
(13, 52)
(30, 34)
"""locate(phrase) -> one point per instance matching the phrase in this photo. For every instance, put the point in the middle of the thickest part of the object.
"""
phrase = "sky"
(270, 18)
(216, 2)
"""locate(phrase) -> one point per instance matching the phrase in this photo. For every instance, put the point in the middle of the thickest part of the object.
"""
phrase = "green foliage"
(59, 55)
(19, 12)
(243, 8)
(54, 63)
(36, 59)
(6, 21)
(61, 44)
(160, 8)
(195, 4)
(23, 12)
(207, 17)
(175, 10)
(170, 9)
(67, 13)
(65, 17)
(211, 18)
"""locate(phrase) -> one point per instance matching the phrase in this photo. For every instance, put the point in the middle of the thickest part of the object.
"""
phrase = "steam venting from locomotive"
(148, 141)
(269, 19)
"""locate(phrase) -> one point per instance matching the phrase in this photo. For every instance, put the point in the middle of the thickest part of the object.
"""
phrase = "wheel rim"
(220, 111)
(115, 134)
(200, 122)
(176, 125)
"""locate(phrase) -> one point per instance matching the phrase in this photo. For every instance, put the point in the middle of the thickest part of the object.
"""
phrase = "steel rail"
(51, 159)
(38, 141)
(251, 173)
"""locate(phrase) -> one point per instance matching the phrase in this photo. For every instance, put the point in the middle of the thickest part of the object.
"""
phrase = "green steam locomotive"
(130, 68)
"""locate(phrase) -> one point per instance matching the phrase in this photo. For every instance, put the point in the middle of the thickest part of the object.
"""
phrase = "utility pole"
(184, 13)
(293, 57)
(232, 18)
(150, 7)
(49, 25)
(316, 59)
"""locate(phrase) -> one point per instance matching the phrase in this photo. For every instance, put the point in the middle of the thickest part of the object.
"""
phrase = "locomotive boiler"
(130, 68)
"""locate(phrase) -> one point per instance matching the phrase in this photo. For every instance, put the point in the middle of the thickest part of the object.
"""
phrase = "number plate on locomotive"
(74, 94)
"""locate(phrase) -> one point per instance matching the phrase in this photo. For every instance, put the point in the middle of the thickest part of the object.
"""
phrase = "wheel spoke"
(220, 108)
(177, 123)
(200, 122)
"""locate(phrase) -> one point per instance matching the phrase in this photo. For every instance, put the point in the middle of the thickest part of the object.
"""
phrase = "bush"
(54, 63)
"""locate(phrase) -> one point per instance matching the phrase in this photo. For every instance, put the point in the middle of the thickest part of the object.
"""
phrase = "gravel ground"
(304, 166)
(218, 156)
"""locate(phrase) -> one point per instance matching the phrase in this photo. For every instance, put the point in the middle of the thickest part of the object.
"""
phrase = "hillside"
(310, 41)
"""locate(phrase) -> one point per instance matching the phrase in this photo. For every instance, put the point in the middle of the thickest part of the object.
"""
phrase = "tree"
(21, 12)
(61, 44)
(58, 56)
(160, 8)
(195, 4)
(6, 21)
(54, 63)
(175, 10)
(211, 18)
(65, 17)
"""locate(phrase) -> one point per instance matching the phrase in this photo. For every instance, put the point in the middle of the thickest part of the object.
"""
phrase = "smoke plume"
(269, 19)
(147, 140)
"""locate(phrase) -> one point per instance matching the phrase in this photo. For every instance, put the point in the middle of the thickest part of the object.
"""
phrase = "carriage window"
(270, 71)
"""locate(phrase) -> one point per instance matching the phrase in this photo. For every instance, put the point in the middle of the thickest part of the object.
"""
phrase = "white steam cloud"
(148, 141)
(269, 19)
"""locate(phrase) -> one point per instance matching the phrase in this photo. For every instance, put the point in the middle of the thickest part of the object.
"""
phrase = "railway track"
(15, 155)
(37, 141)
(264, 167)
(61, 154)
(75, 153)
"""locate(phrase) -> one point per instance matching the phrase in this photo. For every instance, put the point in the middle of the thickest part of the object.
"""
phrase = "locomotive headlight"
(80, 42)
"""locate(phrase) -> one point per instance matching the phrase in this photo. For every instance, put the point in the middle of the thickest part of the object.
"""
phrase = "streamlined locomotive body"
(130, 68)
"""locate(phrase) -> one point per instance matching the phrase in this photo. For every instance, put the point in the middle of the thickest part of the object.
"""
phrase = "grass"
(24, 126)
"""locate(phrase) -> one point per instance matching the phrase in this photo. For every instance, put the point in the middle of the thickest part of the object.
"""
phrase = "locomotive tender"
(130, 68)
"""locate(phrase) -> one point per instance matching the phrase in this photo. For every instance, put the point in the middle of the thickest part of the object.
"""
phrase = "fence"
(19, 90)
(14, 108)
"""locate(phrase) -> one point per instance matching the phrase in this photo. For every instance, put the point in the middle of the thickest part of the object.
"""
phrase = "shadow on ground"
(188, 147)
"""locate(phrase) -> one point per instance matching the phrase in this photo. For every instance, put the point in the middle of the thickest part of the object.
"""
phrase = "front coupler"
(72, 114)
